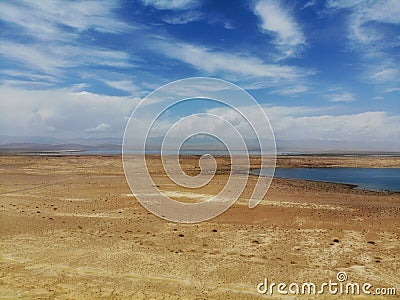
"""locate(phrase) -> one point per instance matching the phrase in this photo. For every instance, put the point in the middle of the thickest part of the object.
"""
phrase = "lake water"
(372, 179)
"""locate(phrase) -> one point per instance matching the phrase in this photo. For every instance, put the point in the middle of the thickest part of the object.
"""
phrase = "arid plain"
(71, 229)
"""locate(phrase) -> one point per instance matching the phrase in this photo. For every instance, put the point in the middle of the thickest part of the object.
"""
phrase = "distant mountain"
(43, 144)
(203, 143)
(32, 147)
(6, 139)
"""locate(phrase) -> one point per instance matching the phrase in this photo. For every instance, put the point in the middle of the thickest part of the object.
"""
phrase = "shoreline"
(78, 153)
(282, 161)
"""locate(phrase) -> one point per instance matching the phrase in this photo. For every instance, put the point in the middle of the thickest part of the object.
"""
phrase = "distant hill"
(9, 145)
(37, 147)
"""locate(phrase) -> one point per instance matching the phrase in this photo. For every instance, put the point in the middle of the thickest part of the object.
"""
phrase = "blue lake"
(372, 179)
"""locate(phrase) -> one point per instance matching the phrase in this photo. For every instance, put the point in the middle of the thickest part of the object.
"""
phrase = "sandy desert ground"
(70, 229)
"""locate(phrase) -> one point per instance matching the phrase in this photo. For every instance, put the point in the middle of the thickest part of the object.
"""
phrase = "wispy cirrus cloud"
(373, 28)
(123, 85)
(28, 75)
(50, 37)
(341, 97)
(378, 98)
(386, 75)
(275, 20)
(53, 59)
(217, 62)
(183, 17)
(391, 90)
(172, 4)
(308, 4)
(366, 15)
(291, 90)
(55, 20)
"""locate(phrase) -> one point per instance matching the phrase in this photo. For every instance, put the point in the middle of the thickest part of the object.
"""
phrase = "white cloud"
(275, 19)
(183, 17)
(362, 129)
(386, 75)
(214, 62)
(343, 3)
(99, 128)
(303, 126)
(378, 98)
(312, 128)
(45, 19)
(308, 4)
(34, 77)
(41, 60)
(396, 89)
(123, 85)
(371, 32)
(25, 83)
(171, 4)
(364, 13)
(52, 59)
(341, 97)
(51, 35)
(66, 112)
(291, 91)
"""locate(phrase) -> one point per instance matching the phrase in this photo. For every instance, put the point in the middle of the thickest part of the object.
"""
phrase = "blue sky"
(325, 72)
